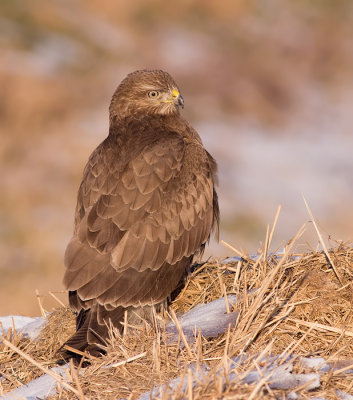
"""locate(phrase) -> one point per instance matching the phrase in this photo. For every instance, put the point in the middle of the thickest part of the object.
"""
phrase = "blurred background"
(268, 85)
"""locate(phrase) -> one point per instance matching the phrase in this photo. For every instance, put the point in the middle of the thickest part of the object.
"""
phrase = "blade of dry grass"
(57, 377)
(74, 374)
(344, 369)
(190, 384)
(322, 241)
(181, 333)
(239, 253)
(294, 344)
(267, 244)
(260, 298)
(321, 327)
(302, 292)
(118, 364)
(56, 298)
(42, 311)
(272, 231)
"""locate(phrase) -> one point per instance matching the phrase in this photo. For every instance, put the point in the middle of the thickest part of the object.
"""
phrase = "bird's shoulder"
(132, 136)
(156, 146)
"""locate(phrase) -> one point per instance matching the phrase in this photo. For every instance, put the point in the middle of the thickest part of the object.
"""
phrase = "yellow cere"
(175, 93)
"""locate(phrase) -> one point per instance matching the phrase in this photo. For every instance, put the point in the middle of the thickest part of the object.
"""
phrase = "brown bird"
(145, 207)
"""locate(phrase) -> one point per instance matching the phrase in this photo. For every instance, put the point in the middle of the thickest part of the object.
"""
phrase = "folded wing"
(137, 226)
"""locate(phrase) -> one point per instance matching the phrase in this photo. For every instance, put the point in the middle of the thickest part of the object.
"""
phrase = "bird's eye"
(153, 94)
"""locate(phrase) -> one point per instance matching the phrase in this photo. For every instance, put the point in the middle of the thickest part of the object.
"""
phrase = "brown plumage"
(145, 207)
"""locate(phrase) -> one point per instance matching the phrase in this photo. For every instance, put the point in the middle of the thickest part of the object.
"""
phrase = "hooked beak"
(177, 98)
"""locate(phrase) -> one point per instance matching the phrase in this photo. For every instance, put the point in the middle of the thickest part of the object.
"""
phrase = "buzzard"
(146, 205)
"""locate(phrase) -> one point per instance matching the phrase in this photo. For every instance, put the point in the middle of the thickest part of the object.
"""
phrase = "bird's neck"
(138, 122)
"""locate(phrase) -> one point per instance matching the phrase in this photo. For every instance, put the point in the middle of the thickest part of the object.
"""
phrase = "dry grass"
(18, 370)
(298, 306)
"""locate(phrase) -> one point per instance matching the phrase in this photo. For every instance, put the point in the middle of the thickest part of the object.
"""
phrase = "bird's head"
(146, 92)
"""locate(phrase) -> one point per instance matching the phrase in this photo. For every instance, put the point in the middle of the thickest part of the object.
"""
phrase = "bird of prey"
(146, 206)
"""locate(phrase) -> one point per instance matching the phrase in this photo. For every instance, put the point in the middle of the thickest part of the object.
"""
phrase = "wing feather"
(138, 225)
(86, 264)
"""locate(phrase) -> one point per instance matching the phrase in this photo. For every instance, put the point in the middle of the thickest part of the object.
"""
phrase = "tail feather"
(92, 331)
